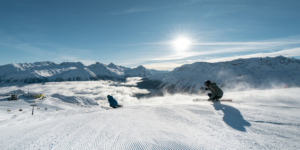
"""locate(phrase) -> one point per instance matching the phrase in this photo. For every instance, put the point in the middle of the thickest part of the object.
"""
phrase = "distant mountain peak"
(72, 64)
(112, 65)
(141, 67)
(47, 71)
(44, 63)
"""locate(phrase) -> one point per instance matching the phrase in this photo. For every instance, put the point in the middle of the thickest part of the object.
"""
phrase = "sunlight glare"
(181, 43)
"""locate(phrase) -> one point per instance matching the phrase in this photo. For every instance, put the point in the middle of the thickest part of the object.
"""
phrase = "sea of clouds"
(87, 92)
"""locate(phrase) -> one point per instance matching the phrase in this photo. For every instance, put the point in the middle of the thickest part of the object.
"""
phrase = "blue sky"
(140, 32)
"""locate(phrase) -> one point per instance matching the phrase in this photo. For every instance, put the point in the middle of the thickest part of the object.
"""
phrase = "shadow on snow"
(232, 116)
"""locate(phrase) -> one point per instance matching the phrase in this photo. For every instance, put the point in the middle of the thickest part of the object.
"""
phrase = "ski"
(107, 108)
(222, 100)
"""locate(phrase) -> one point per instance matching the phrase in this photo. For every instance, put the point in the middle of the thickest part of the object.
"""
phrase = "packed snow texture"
(257, 119)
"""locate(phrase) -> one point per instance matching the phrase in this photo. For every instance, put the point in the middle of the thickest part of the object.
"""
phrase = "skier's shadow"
(232, 116)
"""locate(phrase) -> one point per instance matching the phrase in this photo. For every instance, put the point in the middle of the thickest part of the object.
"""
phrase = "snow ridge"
(237, 74)
(67, 71)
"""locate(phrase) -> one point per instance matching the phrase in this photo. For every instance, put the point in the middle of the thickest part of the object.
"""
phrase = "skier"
(112, 102)
(216, 92)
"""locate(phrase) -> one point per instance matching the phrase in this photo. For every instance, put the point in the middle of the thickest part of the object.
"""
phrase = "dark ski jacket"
(215, 90)
(112, 101)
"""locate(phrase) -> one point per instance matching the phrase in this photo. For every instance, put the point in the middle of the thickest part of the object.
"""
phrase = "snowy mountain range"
(39, 72)
(189, 78)
(276, 72)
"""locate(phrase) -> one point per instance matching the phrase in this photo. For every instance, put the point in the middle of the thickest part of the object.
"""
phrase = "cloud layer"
(97, 90)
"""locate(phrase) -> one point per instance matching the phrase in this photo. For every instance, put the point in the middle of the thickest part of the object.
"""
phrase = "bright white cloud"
(214, 51)
(171, 65)
(287, 53)
(96, 90)
(229, 47)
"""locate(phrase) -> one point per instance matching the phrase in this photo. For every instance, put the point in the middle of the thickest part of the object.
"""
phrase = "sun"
(181, 43)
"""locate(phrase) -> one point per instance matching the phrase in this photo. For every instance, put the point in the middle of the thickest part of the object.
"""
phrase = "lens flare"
(181, 43)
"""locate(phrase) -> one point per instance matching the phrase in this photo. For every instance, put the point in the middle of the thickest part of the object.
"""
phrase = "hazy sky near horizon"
(139, 32)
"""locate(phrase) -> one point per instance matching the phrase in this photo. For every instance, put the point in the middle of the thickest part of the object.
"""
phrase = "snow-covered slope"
(68, 71)
(237, 74)
(154, 72)
(260, 119)
(140, 71)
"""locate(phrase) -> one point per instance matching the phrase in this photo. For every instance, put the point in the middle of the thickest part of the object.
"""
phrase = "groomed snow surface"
(256, 119)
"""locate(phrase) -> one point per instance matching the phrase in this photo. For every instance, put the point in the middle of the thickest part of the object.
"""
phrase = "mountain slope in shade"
(237, 74)
(154, 72)
(67, 71)
(140, 71)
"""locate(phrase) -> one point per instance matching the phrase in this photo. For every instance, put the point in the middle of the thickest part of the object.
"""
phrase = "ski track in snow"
(203, 125)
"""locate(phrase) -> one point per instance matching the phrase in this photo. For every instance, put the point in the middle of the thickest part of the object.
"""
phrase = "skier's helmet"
(108, 96)
(207, 82)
